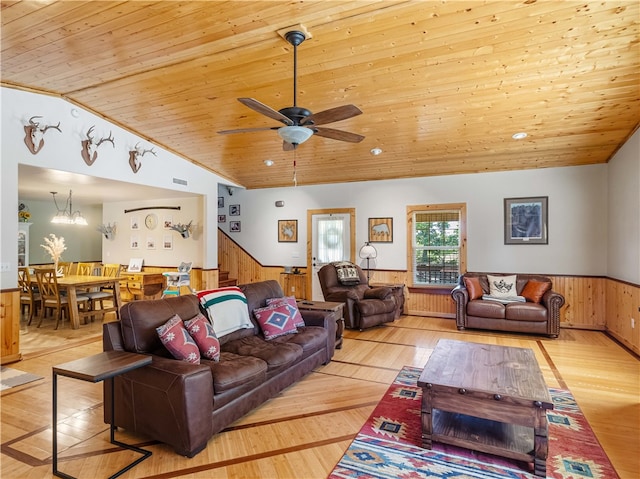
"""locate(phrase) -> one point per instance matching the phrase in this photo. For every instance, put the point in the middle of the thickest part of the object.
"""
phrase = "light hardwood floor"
(303, 432)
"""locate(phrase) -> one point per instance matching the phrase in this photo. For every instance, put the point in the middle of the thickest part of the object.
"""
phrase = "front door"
(332, 238)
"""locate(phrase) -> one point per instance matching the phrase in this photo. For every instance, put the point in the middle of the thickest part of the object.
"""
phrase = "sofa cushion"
(534, 290)
(526, 312)
(204, 336)
(369, 307)
(275, 320)
(277, 355)
(292, 306)
(484, 308)
(502, 286)
(234, 370)
(227, 309)
(473, 287)
(310, 338)
(178, 341)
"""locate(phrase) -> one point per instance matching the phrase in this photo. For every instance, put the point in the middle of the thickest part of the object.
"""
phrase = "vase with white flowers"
(54, 246)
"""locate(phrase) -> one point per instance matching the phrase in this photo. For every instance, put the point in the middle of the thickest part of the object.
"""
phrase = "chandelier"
(67, 216)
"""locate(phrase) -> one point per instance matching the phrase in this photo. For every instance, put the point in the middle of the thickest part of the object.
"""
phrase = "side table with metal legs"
(97, 368)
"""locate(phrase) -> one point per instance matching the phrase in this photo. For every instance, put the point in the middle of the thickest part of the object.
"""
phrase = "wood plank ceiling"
(443, 85)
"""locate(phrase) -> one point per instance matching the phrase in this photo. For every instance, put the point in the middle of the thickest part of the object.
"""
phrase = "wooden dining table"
(75, 284)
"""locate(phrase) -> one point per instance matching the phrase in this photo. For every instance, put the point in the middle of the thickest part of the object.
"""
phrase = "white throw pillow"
(502, 286)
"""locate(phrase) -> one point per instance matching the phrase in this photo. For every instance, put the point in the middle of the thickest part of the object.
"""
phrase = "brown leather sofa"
(520, 317)
(364, 306)
(183, 404)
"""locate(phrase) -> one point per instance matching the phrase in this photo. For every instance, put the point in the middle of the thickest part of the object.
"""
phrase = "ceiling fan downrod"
(295, 38)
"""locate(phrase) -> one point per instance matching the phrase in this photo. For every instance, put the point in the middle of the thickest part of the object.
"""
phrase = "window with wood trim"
(436, 243)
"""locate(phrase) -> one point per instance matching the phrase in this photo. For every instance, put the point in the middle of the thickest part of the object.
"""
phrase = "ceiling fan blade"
(248, 130)
(286, 146)
(255, 105)
(338, 135)
(332, 114)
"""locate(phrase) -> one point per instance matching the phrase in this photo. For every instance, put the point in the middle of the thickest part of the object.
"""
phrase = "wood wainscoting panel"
(623, 304)
(10, 320)
(585, 300)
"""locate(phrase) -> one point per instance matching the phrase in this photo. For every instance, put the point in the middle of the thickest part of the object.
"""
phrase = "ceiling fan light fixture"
(296, 135)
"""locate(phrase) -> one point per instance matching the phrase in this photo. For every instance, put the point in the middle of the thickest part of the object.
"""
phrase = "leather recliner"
(365, 306)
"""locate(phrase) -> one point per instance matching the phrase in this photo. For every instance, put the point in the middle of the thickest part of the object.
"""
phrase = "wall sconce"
(108, 230)
(183, 229)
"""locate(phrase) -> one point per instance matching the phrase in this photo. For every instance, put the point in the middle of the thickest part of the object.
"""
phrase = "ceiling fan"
(300, 123)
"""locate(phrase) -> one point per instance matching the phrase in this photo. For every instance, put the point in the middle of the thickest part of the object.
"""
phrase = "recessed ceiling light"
(268, 162)
(519, 136)
(376, 151)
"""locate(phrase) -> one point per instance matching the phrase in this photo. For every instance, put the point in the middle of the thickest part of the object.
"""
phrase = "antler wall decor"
(183, 229)
(34, 134)
(135, 155)
(90, 146)
(107, 230)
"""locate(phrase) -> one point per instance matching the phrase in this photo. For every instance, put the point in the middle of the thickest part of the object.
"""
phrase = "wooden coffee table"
(487, 398)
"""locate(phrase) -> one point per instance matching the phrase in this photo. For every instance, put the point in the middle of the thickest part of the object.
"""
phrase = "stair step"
(227, 282)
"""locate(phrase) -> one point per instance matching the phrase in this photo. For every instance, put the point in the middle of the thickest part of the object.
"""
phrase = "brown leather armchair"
(364, 306)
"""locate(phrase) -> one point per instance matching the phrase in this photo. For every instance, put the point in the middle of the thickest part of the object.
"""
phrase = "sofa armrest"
(324, 319)
(460, 297)
(380, 292)
(553, 301)
(112, 337)
(169, 400)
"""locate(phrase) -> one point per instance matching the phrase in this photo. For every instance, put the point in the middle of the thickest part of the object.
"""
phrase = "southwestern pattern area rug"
(388, 445)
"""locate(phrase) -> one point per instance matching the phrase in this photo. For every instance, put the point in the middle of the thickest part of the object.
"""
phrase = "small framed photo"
(167, 242)
(381, 230)
(220, 201)
(134, 243)
(167, 222)
(135, 222)
(222, 218)
(234, 226)
(151, 242)
(135, 265)
(234, 210)
(525, 220)
(287, 231)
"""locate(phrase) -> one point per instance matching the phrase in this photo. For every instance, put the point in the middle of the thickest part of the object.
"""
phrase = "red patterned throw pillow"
(294, 312)
(178, 341)
(205, 337)
(275, 320)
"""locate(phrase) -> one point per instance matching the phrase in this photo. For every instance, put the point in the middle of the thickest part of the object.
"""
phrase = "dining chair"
(29, 294)
(65, 267)
(96, 295)
(51, 297)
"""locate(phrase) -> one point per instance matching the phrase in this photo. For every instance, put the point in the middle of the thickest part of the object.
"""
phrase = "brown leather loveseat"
(537, 311)
(183, 404)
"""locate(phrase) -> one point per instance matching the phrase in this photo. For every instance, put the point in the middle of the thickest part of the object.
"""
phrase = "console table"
(94, 369)
(337, 312)
(143, 285)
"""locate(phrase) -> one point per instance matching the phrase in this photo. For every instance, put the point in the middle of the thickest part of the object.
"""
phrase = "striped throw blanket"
(227, 309)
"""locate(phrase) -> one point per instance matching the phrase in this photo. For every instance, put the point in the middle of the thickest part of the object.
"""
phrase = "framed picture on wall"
(287, 231)
(134, 242)
(234, 226)
(151, 242)
(167, 222)
(380, 230)
(222, 218)
(135, 222)
(525, 220)
(167, 242)
(234, 210)
(220, 201)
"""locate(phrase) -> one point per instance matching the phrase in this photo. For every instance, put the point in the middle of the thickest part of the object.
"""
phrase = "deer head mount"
(109, 230)
(183, 229)
(34, 134)
(135, 155)
(90, 146)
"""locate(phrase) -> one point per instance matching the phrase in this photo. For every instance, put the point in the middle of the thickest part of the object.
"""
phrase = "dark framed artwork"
(234, 210)
(234, 226)
(380, 230)
(525, 220)
(220, 201)
(222, 218)
(287, 231)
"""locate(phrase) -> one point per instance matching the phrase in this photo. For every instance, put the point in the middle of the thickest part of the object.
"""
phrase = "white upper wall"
(623, 224)
(577, 206)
